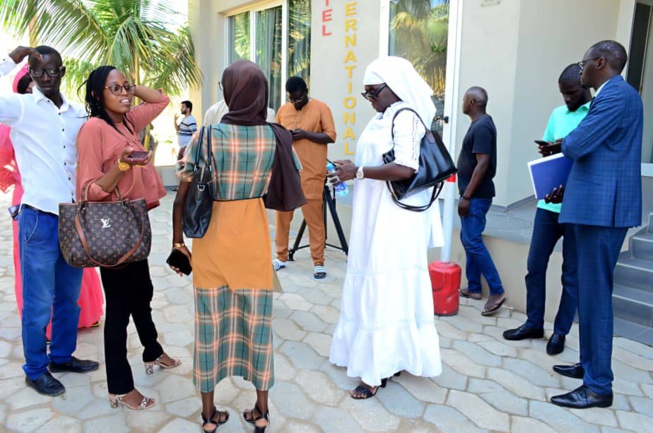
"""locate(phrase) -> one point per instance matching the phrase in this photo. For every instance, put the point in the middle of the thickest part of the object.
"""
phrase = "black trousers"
(128, 292)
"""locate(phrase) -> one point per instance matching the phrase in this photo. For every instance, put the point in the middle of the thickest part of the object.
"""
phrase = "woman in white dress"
(386, 322)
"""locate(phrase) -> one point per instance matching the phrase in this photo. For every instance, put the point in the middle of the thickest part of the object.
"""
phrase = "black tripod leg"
(298, 239)
(336, 221)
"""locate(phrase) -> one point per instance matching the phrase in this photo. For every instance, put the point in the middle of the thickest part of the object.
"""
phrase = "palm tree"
(420, 35)
(136, 36)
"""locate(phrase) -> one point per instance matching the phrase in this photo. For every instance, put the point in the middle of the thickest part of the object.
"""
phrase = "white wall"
(516, 51)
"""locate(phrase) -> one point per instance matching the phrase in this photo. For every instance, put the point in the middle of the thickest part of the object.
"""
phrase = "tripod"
(329, 201)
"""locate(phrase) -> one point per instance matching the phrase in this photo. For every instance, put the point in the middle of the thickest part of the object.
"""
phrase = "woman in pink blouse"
(104, 145)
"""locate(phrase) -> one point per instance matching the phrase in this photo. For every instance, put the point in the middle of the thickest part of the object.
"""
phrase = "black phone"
(138, 156)
(542, 143)
(180, 261)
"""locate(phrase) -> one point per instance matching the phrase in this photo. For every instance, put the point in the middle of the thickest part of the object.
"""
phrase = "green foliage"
(420, 35)
(139, 37)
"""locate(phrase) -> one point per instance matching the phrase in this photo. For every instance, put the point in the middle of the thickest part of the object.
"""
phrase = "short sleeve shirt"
(481, 138)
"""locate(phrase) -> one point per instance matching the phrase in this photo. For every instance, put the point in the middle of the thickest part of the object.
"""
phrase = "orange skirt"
(236, 250)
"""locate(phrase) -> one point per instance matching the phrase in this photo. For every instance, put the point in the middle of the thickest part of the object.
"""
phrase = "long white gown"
(386, 319)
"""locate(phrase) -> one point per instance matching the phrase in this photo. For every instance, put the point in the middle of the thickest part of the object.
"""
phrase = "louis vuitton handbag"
(106, 233)
(435, 166)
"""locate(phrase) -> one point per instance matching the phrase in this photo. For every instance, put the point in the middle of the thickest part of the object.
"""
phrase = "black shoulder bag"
(435, 166)
(199, 202)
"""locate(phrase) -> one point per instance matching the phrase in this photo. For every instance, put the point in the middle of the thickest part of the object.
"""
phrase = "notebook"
(548, 173)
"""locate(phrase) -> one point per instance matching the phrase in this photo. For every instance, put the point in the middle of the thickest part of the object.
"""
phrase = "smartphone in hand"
(542, 143)
(137, 156)
(180, 261)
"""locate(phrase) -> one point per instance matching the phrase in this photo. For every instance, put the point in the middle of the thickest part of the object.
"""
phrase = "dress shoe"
(522, 333)
(582, 398)
(74, 366)
(556, 344)
(575, 371)
(46, 384)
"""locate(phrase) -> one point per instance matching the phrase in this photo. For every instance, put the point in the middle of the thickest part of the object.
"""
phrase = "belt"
(38, 210)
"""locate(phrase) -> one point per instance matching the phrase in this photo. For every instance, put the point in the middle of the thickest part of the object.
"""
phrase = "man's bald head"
(478, 95)
(613, 52)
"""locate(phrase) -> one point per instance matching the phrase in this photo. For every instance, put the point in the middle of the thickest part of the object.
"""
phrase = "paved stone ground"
(487, 384)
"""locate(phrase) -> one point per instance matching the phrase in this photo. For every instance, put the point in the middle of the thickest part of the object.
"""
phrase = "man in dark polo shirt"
(477, 164)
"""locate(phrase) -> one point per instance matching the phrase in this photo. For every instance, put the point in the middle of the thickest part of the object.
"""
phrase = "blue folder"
(548, 173)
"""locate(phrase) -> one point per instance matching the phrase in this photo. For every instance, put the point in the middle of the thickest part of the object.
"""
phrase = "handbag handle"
(82, 237)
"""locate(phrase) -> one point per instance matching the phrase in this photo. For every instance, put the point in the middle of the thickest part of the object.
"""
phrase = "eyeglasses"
(116, 88)
(296, 100)
(581, 64)
(52, 72)
(373, 95)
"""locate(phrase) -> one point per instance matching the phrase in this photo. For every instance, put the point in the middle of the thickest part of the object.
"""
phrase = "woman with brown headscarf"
(232, 276)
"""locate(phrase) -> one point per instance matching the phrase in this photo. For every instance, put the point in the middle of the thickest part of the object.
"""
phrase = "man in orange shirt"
(311, 124)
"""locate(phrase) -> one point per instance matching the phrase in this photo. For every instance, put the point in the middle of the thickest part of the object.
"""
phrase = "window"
(258, 35)
(419, 33)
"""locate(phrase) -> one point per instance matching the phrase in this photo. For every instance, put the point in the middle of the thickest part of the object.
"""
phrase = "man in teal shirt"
(547, 230)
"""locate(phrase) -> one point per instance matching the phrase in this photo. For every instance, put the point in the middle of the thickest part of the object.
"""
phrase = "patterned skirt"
(233, 337)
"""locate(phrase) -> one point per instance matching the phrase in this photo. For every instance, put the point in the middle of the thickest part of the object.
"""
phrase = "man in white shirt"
(215, 112)
(185, 128)
(44, 127)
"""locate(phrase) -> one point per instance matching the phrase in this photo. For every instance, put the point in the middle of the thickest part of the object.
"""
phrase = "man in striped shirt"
(186, 127)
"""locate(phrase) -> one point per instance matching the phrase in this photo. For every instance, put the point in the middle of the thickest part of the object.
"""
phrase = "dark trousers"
(128, 292)
(546, 232)
(598, 251)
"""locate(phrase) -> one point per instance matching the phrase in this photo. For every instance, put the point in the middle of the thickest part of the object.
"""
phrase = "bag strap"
(82, 237)
(436, 189)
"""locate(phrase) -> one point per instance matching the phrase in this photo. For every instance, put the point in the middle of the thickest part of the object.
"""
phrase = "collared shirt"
(601, 87)
(44, 138)
(561, 123)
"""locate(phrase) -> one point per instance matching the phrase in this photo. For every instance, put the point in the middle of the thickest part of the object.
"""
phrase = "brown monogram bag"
(106, 233)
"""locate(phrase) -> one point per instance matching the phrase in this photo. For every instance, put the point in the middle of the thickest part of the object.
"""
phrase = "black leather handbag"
(435, 166)
(199, 201)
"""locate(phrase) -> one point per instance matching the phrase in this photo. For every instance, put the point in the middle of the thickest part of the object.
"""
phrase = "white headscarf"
(400, 75)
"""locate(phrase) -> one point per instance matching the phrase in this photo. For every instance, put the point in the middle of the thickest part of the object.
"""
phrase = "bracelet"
(123, 166)
(463, 197)
(176, 245)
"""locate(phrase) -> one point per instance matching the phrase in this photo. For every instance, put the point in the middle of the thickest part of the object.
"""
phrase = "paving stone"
(506, 402)
(451, 379)
(339, 376)
(286, 329)
(321, 343)
(462, 364)
(477, 353)
(626, 387)
(634, 421)
(296, 404)
(316, 296)
(74, 400)
(301, 355)
(308, 321)
(370, 415)
(179, 425)
(631, 359)
(422, 388)
(467, 326)
(175, 388)
(29, 420)
(327, 313)
(559, 419)
(632, 347)
(516, 384)
(647, 388)
(602, 417)
(631, 374)
(317, 386)
(151, 420)
(497, 334)
(530, 372)
(300, 427)
(398, 401)
(334, 420)
(447, 419)
(530, 425)
(478, 411)
(185, 407)
(178, 313)
(498, 348)
(448, 330)
(5, 348)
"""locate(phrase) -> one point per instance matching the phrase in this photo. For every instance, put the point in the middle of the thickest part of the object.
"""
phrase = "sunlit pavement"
(488, 384)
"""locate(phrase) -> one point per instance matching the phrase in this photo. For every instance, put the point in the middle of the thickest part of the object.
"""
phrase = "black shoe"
(522, 333)
(556, 344)
(46, 384)
(74, 366)
(582, 398)
(575, 371)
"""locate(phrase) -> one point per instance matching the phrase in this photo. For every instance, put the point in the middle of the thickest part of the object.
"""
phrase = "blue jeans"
(50, 289)
(479, 260)
(546, 232)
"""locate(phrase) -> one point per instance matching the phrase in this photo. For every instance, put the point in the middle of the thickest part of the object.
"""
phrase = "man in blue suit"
(602, 199)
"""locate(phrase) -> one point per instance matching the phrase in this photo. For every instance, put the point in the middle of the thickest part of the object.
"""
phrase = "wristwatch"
(123, 166)
(359, 173)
